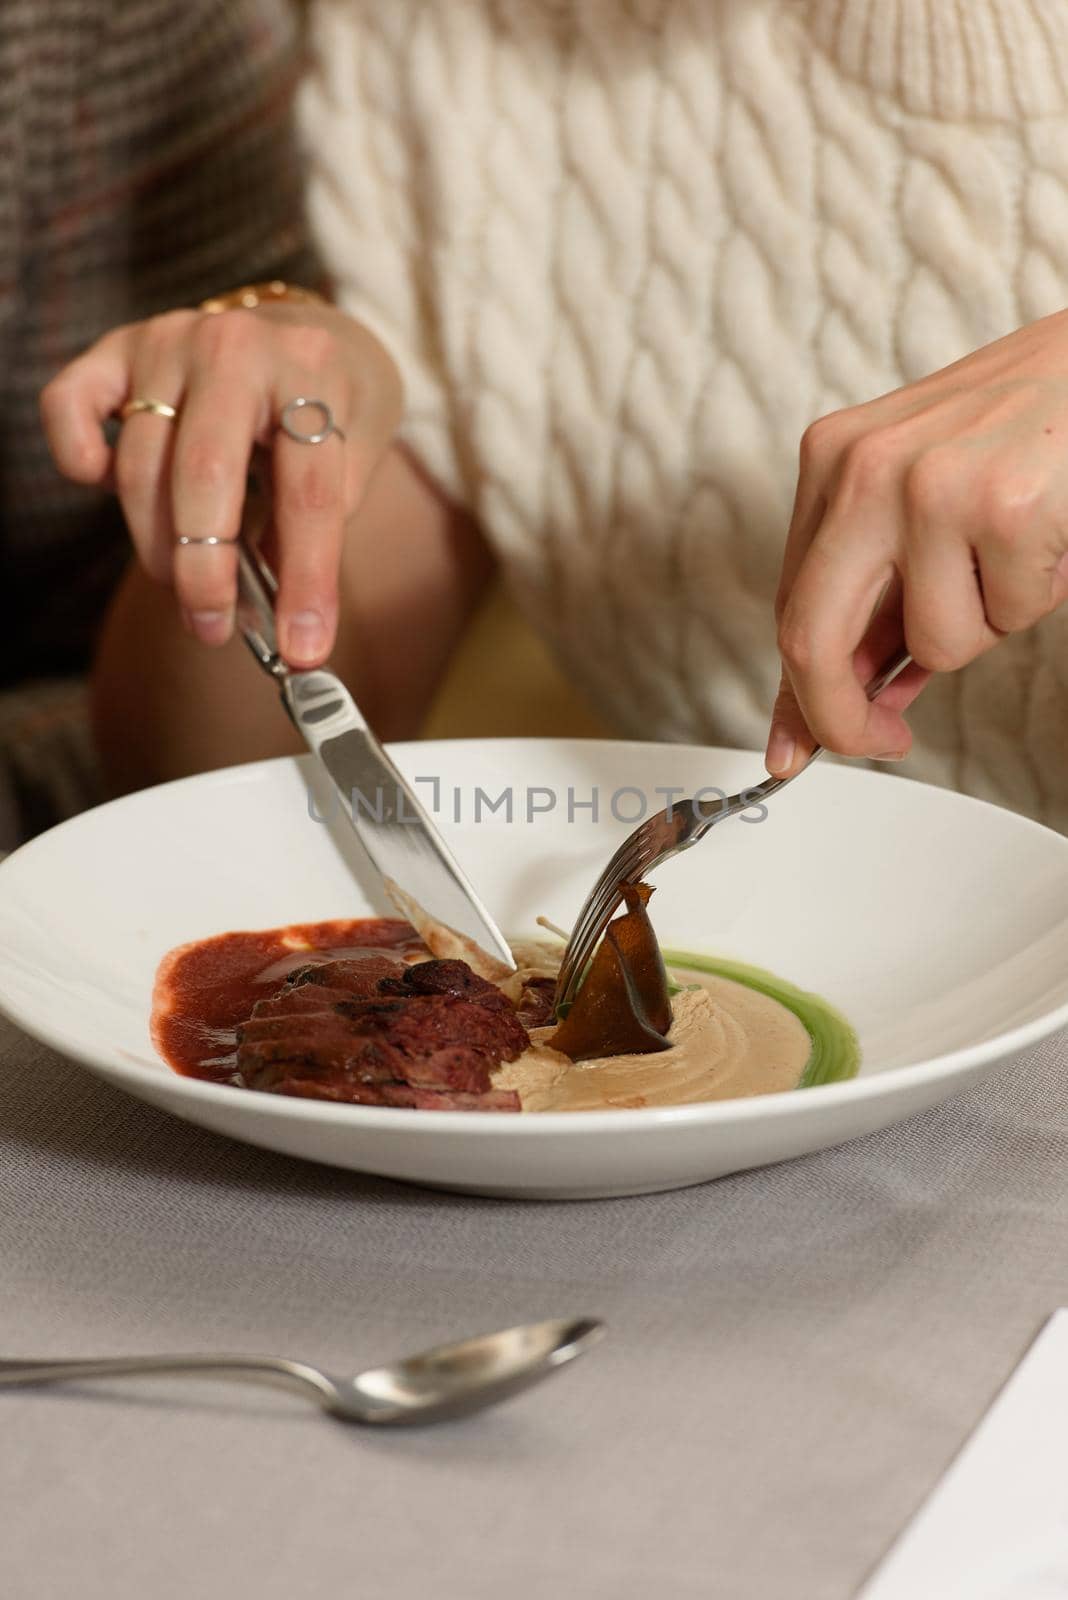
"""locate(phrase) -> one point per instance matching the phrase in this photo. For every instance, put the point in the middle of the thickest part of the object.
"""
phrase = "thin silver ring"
(299, 403)
(210, 538)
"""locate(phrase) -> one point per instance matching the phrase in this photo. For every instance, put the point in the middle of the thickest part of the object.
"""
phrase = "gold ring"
(157, 408)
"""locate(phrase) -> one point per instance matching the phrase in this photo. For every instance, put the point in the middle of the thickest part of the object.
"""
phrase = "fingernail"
(212, 627)
(892, 755)
(781, 750)
(306, 635)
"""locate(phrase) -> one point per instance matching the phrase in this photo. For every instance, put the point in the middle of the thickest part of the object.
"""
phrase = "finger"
(791, 741)
(309, 515)
(945, 624)
(1019, 576)
(834, 447)
(809, 513)
(883, 641)
(209, 476)
(205, 583)
(822, 445)
(144, 452)
(79, 400)
(824, 622)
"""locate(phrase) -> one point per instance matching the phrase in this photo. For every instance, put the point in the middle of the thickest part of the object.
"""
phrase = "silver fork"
(659, 838)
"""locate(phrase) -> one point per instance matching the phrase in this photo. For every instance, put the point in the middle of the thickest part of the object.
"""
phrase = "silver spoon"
(449, 1381)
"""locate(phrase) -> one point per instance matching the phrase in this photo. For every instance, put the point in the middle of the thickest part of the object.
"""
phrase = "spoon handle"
(296, 1373)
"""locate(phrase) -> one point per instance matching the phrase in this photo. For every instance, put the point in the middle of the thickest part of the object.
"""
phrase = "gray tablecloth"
(795, 1356)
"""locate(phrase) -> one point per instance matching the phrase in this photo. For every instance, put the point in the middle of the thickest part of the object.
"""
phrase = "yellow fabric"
(503, 682)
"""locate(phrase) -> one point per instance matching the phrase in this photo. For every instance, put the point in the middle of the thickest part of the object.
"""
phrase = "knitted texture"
(625, 250)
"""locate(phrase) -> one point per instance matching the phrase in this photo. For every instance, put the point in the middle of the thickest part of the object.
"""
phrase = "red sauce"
(204, 990)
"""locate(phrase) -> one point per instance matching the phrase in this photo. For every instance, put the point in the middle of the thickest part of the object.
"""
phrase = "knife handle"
(257, 587)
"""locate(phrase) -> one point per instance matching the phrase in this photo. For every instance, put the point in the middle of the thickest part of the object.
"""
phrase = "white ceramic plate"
(938, 925)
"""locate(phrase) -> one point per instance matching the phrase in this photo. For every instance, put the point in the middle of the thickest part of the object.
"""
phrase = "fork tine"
(594, 918)
(585, 947)
(627, 862)
(578, 950)
(624, 867)
(605, 893)
(605, 890)
(582, 947)
(605, 885)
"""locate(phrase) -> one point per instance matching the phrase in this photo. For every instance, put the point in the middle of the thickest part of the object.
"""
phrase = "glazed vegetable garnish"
(623, 1006)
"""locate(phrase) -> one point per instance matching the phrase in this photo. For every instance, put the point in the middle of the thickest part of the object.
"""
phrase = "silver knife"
(395, 830)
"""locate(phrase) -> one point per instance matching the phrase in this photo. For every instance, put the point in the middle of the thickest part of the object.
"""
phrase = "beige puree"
(726, 1040)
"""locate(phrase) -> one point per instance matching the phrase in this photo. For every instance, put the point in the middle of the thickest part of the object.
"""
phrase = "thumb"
(789, 742)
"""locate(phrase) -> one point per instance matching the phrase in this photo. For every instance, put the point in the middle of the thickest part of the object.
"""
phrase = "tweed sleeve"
(148, 161)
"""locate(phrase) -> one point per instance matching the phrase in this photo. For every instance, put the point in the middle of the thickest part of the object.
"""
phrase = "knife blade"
(389, 820)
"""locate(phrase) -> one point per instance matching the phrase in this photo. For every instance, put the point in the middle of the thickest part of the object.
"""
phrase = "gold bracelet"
(251, 295)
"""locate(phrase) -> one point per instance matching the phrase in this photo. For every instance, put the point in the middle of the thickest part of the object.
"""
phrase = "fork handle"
(893, 669)
(764, 790)
(296, 1373)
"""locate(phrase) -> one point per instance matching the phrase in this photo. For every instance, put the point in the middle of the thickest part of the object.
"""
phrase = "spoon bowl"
(455, 1379)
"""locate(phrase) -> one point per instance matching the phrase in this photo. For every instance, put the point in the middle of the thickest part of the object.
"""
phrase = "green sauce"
(835, 1052)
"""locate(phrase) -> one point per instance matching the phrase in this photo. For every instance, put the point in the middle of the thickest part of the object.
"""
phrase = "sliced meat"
(292, 1002)
(357, 975)
(420, 1028)
(375, 1031)
(442, 977)
(440, 1035)
(449, 978)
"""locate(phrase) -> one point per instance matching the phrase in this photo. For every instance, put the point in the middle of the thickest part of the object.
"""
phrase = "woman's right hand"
(935, 516)
(228, 375)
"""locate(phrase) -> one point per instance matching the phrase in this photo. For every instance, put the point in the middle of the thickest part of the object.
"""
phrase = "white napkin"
(996, 1526)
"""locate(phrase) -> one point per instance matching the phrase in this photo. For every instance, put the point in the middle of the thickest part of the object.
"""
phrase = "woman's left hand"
(217, 385)
(937, 516)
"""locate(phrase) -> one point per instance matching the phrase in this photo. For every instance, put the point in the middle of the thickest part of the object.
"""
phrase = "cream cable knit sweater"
(625, 250)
